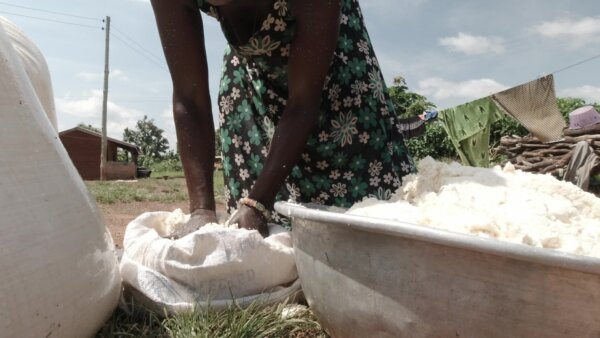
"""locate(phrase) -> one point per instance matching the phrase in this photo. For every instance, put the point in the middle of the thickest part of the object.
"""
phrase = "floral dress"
(356, 149)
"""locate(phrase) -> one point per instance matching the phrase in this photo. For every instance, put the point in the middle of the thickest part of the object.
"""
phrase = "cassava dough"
(501, 203)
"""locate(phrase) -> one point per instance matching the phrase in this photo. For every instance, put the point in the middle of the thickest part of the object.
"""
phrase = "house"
(83, 146)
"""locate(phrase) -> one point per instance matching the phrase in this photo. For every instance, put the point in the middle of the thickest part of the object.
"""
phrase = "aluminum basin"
(368, 277)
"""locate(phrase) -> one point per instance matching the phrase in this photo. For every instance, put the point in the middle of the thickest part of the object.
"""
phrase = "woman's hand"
(251, 219)
(198, 219)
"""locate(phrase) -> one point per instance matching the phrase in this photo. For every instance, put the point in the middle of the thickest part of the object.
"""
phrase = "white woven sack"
(212, 266)
(58, 271)
(35, 66)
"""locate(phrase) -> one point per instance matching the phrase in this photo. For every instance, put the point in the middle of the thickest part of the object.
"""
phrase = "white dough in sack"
(214, 264)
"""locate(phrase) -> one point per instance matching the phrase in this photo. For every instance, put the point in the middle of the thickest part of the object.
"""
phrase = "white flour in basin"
(505, 204)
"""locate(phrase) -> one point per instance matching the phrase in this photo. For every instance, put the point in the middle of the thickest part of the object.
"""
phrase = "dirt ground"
(118, 215)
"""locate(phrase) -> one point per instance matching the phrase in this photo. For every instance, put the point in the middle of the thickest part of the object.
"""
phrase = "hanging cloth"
(534, 105)
(582, 164)
(468, 127)
(411, 127)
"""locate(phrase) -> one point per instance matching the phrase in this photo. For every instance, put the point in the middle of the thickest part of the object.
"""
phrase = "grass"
(153, 189)
(144, 190)
(168, 173)
(255, 321)
(123, 324)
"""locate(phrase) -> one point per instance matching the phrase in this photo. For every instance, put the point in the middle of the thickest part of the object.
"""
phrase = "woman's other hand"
(249, 218)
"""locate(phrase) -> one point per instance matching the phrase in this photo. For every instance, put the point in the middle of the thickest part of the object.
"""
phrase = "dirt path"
(118, 215)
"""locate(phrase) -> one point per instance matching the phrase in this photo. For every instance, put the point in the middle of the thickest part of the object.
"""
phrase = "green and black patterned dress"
(356, 149)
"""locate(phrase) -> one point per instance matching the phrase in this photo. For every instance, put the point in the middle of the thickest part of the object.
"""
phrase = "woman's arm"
(182, 36)
(315, 40)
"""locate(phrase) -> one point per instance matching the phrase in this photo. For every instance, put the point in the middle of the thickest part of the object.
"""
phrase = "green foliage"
(218, 142)
(407, 103)
(167, 165)
(434, 143)
(149, 138)
(568, 104)
(508, 126)
(505, 126)
(123, 155)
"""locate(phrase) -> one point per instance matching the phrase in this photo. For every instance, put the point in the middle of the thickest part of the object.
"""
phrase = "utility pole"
(103, 147)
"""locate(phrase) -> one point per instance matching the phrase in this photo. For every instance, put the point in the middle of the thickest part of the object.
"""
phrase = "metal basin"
(368, 277)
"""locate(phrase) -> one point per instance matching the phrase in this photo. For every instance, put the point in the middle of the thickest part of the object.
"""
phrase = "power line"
(140, 53)
(160, 60)
(564, 68)
(51, 20)
(576, 64)
(51, 12)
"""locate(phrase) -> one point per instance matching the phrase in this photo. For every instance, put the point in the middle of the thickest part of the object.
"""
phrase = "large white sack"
(58, 271)
(211, 266)
(35, 67)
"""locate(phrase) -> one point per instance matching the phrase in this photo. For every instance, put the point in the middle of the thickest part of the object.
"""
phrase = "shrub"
(434, 143)
(168, 165)
(505, 126)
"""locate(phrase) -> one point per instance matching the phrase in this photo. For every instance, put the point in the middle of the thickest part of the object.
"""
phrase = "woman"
(304, 110)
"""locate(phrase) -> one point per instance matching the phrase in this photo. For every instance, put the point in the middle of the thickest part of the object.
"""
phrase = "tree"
(507, 125)
(218, 143)
(568, 104)
(149, 138)
(407, 103)
(434, 142)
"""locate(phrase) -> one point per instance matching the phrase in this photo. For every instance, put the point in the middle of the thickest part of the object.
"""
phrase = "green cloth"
(468, 127)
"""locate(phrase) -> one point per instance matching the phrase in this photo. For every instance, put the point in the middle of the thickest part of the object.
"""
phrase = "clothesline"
(562, 69)
(576, 64)
(559, 70)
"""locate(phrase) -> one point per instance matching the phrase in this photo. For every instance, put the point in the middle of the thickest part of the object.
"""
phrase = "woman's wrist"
(256, 205)
(263, 193)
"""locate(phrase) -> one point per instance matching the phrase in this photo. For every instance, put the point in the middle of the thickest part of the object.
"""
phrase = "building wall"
(120, 171)
(84, 150)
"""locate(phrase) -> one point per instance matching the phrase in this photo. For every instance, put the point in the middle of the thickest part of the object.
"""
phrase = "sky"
(451, 51)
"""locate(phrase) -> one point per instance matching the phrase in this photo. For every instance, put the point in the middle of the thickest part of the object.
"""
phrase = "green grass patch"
(255, 321)
(164, 189)
(144, 190)
(123, 324)
(167, 174)
(218, 184)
